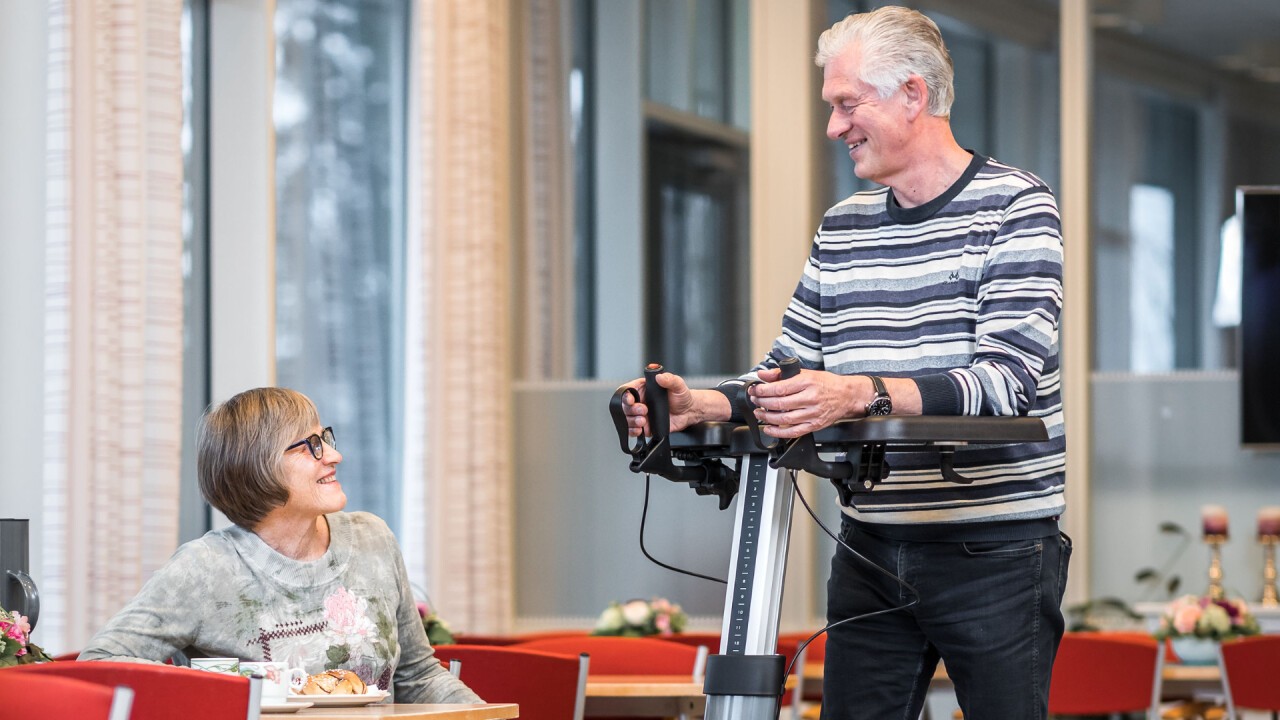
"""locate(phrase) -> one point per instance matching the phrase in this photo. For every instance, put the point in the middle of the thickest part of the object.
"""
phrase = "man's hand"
(687, 407)
(810, 401)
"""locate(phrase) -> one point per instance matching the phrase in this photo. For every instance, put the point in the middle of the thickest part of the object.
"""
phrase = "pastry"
(334, 682)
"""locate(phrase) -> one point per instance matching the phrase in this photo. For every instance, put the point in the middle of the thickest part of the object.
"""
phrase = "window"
(1150, 291)
(340, 111)
(194, 514)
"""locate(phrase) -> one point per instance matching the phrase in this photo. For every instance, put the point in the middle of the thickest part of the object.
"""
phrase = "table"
(405, 711)
(645, 695)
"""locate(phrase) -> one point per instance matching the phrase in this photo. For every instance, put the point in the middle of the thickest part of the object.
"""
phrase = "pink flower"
(663, 623)
(1185, 617)
(348, 622)
(15, 627)
(423, 610)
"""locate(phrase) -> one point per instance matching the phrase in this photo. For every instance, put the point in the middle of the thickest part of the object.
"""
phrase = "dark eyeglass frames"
(316, 443)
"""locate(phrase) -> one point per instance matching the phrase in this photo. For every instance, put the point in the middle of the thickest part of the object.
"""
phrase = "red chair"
(1097, 673)
(492, 640)
(623, 655)
(1249, 674)
(160, 690)
(546, 686)
(814, 652)
(548, 634)
(58, 698)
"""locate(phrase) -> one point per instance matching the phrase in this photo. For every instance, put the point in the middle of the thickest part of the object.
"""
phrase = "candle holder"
(1215, 541)
(1269, 596)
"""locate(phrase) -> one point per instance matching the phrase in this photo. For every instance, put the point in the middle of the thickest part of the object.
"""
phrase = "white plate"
(368, 698)
(285, 706)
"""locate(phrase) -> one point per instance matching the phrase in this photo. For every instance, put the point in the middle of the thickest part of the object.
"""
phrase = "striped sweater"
(962, 295)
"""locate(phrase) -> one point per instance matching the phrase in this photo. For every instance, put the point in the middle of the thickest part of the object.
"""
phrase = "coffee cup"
(277, 679)
(231, 666)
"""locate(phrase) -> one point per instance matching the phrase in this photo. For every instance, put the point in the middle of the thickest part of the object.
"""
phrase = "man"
(936, 294)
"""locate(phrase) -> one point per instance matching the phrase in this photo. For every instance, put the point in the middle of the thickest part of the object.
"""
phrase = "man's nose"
(836, 125)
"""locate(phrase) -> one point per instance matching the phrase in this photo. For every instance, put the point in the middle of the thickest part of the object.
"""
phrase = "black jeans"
(990, 610)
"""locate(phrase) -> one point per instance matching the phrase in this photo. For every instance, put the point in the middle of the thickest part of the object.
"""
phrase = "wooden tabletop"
(644, 696)
(642, 686)
(403, 711)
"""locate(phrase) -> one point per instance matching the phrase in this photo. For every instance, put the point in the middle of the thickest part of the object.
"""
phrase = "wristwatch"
(881, 404)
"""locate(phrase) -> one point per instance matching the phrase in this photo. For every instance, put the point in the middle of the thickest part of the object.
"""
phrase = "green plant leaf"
(1172, 586)
(1146, 575)
(337, 655)
(1172, 528)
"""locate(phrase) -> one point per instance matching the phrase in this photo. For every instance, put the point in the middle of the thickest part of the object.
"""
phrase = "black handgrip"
(655, 397)
(790, 367)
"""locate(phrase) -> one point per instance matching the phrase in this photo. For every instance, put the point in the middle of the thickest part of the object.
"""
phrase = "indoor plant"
(637, 618)
(17, 648)
(1195, 625)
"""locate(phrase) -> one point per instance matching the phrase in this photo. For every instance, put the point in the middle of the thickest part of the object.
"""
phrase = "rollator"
(746, 680)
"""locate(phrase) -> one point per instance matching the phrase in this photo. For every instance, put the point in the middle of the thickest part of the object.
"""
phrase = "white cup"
(230, 666)
(277, 679)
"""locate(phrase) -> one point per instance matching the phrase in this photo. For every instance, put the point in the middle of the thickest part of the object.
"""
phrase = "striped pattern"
(113, 313)
(963, 295)
(461, 533)
(113, 308)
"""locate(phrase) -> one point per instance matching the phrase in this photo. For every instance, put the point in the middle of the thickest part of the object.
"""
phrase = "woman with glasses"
(295, 579)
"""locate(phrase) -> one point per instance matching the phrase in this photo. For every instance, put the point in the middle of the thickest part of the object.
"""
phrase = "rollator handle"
(790, 367)
(656, 454)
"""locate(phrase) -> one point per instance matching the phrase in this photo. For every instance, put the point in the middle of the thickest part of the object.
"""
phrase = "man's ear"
(916, 93)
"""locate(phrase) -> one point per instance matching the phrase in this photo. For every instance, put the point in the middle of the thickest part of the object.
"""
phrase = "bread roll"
(334, 682)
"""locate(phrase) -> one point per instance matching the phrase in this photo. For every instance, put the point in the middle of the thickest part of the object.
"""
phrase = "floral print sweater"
(229, 594)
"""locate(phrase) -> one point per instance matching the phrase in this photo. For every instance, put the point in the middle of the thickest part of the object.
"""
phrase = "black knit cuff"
(939, 395)
(731, 390)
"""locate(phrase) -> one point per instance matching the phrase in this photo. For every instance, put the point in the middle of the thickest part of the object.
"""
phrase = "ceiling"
(1237, 35)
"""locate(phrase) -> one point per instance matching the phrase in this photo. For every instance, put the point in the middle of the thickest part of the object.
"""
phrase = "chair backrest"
(623, 655)
(499, 640)
(546, 634)
(1249, 672)
(815, 651)
(709, 640)
(159, 690)
(1096, 673)
(546, 686)
(34, 695)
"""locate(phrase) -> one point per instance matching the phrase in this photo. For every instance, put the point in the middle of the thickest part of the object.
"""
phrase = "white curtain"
(463, 528)
(546, 277)
(113, 338)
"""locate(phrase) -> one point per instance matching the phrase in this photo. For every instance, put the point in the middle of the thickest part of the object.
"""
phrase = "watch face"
(880, 406)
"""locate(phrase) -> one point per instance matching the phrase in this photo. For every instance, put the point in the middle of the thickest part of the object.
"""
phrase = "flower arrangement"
(17, 648)
(1202, 617)
(438, 632)
(638, 618)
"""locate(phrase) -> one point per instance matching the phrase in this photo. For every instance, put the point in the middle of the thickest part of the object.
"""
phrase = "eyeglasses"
(316, 443)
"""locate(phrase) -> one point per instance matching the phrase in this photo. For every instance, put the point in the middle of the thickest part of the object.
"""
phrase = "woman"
(295, 579)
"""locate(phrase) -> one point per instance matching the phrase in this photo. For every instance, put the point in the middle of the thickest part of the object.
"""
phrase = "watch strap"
(879, 386)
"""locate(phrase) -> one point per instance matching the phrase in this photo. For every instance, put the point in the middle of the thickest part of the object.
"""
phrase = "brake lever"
(790, 367)
(619, 414)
